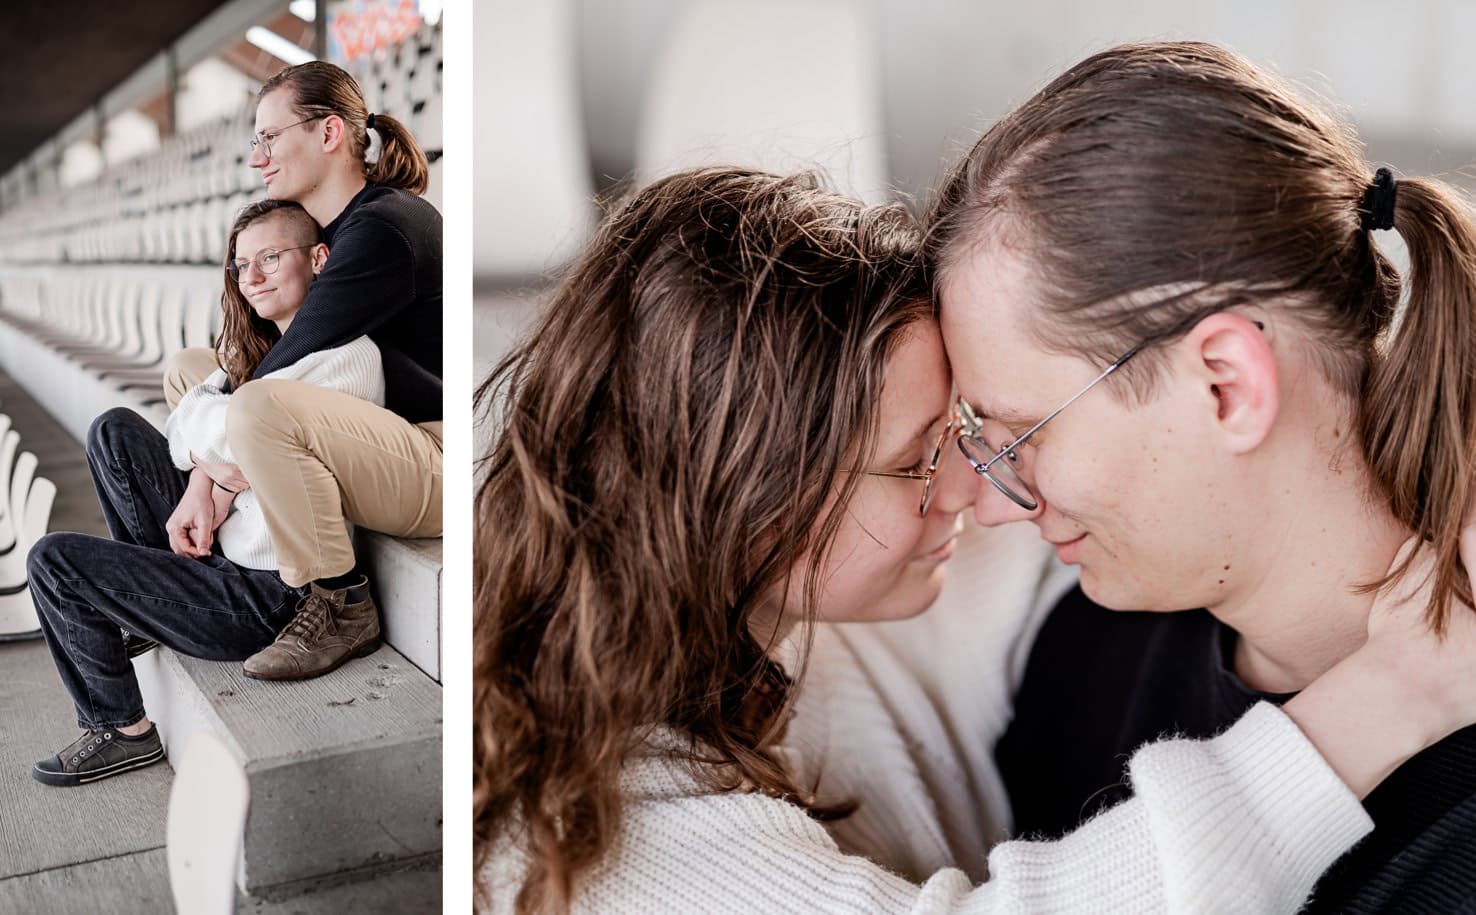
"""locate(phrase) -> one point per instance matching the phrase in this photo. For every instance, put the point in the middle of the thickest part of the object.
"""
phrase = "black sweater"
(1100, 684)
(383, 278)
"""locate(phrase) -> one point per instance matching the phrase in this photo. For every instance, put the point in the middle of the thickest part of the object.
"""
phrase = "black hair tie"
(1377, 211)
(369, 121)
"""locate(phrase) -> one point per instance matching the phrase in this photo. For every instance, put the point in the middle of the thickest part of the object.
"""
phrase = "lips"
(1067, 550)
(268, 176)
(940, 552)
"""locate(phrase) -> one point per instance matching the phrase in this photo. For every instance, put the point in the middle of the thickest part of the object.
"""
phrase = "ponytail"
(1419, 403)
(402, 163)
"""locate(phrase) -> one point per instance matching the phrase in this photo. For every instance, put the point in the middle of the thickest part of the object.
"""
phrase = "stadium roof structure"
(66, 57)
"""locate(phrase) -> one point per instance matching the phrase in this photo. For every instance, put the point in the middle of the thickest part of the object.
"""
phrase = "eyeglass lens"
(1004, 478)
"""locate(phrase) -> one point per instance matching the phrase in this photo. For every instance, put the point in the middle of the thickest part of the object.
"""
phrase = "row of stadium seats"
(101, 334)
(25, 511)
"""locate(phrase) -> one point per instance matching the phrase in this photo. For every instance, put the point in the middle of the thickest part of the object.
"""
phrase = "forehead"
(985, 297)
(275, 110)
(915, 389)
(268, 232)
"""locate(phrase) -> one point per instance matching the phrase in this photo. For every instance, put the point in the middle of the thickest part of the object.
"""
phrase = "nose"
(251, 274)
(259, 158)
(954, 489)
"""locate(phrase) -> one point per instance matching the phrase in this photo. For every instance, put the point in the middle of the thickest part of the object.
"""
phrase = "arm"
(196, 427)
(1245, 822)
(369, 278)
(355, 368)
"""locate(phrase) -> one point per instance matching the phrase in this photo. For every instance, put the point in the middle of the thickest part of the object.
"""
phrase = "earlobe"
(1238, 366)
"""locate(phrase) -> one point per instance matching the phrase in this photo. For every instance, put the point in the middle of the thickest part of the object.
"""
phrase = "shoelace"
(315, 618)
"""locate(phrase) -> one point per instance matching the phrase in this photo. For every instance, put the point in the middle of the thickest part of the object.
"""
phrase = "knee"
(105, 434)
(254, 414)
(187, 368)
(51, 554)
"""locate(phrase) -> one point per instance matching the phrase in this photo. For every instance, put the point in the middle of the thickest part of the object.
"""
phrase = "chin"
(918, 599)
(1127, 594)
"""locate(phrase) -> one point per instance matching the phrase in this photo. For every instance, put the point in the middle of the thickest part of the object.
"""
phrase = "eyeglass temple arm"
(1010, 446)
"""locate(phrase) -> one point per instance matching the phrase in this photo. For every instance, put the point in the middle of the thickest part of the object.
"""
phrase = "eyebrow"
(1007, 416)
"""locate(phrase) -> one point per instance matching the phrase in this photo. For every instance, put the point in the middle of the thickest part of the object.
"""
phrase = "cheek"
(873, 553)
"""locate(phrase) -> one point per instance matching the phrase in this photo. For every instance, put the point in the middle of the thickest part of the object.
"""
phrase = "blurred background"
(574, 97)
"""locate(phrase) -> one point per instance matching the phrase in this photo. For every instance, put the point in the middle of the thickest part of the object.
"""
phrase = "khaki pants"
(316, 457)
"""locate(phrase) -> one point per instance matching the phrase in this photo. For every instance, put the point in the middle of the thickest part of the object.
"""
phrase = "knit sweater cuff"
(1278, 809)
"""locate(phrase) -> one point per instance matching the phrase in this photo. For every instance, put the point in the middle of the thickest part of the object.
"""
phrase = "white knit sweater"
(198, 426)
(1244, 823)
(902, 717)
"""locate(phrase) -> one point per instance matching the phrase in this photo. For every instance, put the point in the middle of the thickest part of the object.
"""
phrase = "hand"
(222, 499)
(191, 527)
(1437, 675)
(1405, 689)
(227, 475)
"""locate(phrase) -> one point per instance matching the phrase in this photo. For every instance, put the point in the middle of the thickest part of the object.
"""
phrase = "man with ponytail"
(315, 457)
(1174, 238)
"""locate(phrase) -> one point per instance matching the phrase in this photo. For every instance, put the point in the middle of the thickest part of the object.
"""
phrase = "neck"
(325, 201)
(284, 323)
(1299, 610)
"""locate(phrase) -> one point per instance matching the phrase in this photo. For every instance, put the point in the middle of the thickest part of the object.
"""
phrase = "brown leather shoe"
(330, 628)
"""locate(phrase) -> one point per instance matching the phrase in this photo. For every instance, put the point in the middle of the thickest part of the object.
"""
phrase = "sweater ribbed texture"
(198, 426)
(1241, 823)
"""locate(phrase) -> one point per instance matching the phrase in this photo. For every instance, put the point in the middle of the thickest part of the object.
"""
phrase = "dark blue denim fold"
(88, 589)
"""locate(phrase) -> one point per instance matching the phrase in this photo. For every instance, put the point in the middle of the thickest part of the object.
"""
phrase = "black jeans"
(87, 589)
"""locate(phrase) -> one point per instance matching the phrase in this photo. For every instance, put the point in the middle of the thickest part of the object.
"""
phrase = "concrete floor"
(101, 847)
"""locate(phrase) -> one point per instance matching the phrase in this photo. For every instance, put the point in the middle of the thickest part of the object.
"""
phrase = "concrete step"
(406, 578)
(345, 770)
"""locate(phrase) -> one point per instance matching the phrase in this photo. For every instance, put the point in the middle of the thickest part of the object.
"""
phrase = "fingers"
(188, 540)
(203, 535)
(180, 543)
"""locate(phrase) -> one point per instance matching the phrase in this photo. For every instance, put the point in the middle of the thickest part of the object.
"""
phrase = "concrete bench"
(345, 770)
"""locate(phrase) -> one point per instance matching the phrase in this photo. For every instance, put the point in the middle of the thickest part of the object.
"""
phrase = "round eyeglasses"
(265, 138)
(267, 261)
(955, 424)
(994, 464)
(986, 459)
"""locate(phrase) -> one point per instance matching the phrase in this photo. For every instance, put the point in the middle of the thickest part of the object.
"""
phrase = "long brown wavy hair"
(320, 88)
(1180, 166)
(682, 426)
(246, 337)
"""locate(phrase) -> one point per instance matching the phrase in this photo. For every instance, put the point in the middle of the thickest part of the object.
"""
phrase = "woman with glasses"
(732, 421)
(204, 583)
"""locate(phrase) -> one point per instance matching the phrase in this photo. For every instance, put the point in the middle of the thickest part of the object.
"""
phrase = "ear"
(1231, 357)
(334, 134)
(319, 254)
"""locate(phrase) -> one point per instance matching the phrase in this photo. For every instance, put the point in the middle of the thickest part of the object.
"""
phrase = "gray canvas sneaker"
(99, 754)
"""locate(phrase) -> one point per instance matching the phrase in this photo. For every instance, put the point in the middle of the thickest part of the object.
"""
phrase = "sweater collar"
(332, 228)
